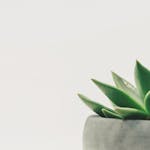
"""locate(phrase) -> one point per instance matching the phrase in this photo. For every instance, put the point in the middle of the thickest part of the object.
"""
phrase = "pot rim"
(119, 120)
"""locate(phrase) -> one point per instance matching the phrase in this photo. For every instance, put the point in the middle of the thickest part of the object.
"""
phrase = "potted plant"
(127, 126)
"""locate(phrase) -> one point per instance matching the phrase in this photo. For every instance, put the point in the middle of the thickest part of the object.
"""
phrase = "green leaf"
(96, 107)
(131, 113)
(126, 87)
(147, 102)
(142, 79)
(109, 114)
(117, 96)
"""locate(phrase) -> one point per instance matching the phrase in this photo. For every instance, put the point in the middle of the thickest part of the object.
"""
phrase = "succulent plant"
(128, 101)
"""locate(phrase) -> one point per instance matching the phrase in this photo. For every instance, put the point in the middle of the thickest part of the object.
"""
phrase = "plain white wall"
(49, 51)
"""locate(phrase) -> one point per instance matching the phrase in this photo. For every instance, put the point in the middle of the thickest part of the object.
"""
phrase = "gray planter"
(113, 134)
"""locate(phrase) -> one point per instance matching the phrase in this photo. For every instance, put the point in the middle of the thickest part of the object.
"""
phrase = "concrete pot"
(113, 134)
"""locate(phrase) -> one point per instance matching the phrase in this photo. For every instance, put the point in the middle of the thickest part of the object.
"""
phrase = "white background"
(49, 51)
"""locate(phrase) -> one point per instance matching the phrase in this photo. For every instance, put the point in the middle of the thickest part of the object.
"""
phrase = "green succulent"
(129, 102)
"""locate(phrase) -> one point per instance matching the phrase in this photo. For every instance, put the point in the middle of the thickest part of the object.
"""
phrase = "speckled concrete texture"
(113, 134)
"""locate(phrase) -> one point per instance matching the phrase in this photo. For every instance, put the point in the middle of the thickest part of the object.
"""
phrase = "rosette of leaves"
(128, 101)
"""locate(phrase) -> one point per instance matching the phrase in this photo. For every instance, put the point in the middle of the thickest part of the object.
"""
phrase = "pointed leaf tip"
(79, 95)
(94, 80)
(137, 62)
(142, 79)
(113, 73)
(92, 105)
(96, 107)
(126, 87)
(117, 96)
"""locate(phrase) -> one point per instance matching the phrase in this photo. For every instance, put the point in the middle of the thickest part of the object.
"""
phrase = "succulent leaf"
(117, 96)
(142, 79)
(96, 107)
(131, 113)
(109, 114)
(129, 102)
(147, 102)
(126, 87)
